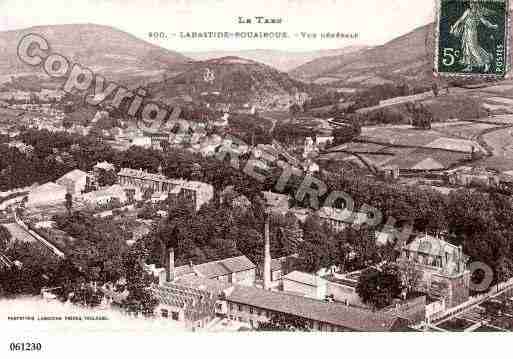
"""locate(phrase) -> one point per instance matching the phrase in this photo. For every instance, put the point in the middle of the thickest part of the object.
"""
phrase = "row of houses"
(231, 289)
(228, 289)
(194, 192)
(130, 185)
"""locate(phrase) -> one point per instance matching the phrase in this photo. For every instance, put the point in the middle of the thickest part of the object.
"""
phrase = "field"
(466, 130)
(449, 136)
(444, 146)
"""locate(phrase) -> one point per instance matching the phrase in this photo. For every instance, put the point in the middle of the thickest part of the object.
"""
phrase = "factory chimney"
(170, 267)
(267, 255)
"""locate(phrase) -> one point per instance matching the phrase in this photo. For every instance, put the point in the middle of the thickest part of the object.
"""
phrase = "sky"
(376, 21)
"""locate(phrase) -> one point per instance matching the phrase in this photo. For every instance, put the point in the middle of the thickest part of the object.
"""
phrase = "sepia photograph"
(288, 169)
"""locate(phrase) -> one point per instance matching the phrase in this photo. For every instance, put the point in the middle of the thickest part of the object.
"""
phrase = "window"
(239, 308)
(174, 315)
(250, 310)
(231, 307)
(164, 313)
(257, 311)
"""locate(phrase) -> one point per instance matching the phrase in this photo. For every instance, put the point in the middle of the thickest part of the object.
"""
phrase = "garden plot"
(467, 130)
(453, 144)
(435, 138)
(399, 136)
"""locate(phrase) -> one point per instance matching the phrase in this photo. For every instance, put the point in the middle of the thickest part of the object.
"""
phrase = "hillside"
(233, 80)
(279, 59)
(103, 49)
(407, 57)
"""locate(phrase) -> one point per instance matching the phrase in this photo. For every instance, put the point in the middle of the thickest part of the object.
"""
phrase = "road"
(19, 232)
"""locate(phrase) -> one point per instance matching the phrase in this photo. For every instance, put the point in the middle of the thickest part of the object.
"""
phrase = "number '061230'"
(25, 347)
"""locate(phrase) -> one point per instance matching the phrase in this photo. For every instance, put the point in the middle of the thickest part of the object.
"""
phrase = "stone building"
(442, 269)
(255, 306)
(196, 193)
(190, 293)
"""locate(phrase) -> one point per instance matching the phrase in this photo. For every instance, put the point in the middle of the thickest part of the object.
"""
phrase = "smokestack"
(267, 255)
(162, 277)
(170, 268)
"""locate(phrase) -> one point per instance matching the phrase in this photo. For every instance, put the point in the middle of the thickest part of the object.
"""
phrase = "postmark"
(472, 38)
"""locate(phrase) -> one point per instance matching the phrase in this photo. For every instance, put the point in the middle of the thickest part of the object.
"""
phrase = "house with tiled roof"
(193, 192)
(235, 270)
(254, 306)
(339, 219)
(190, 292)
(442, 268)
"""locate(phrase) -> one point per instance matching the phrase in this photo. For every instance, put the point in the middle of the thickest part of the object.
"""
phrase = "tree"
(294, 109)
(503, 269)
(379, 287)
(106, 178)
(410, 275)
(130, 195)
(69, 202)
(147, 212)
(421, 116)
(317, 250)
(5, 238)
(39, 269)
(346, 132)
(140, 299)
(86, 295)
(285, 322)
(99, 245)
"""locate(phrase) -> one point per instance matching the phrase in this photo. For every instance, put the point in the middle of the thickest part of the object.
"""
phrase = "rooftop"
(216, 268)
(48, 187)
(74, 175)
(304, 278)
(342, 281)
(200, 283)
(276, 199)
(431, 245)
(342, 215)
(105, 165)
(144, 175)
(332, 313)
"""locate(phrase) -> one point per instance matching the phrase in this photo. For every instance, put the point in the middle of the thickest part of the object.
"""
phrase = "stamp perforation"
(485, 76)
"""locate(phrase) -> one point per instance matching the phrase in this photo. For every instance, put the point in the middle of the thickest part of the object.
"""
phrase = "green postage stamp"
(472, 38)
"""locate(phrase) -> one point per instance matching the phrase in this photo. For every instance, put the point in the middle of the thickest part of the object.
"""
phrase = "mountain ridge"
(282, 60)
(104, 49)
(410, 51)
(232, 80)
